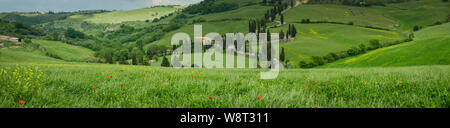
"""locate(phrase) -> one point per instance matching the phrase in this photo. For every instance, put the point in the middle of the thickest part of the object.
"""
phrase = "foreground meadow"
(117, 86)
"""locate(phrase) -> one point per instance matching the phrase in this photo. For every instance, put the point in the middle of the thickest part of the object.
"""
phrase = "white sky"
(75, 5)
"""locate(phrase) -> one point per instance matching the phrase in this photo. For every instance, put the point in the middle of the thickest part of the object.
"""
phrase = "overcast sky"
(75, 5)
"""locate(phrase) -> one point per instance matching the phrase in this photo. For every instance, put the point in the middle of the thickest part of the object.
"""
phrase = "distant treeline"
(210, 6)
(357, 2)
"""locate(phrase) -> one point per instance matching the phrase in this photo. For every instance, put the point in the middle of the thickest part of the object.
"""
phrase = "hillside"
(321, 39)
(131, 15)
(429, 48)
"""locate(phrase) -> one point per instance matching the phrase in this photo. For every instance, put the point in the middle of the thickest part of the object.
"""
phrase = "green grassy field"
(66, 51)
(408, 75)
(372, 16)
(17, 54)
(429, 48)
(72, 85)
(321, 39)
(422, 13)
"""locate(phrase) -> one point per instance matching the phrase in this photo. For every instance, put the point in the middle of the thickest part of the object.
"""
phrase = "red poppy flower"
(21, 102)
(110, 76)
(210, 98)
(326, 81)
(414, 79)
(304, 78)
(192, 76)
(95, 88)
(121, 85)
(259, 97)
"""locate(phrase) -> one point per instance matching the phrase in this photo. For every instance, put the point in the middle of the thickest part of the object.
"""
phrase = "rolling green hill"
(431, 47)
(131, 15)
(21, 55)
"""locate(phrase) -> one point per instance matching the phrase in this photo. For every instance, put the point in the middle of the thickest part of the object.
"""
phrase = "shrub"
(165, 62)
(374, 44)
(416, 28)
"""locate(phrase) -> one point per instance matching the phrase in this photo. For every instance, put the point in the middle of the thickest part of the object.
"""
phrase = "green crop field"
(133, 15)
(430, 48)
(72, 85)
(23, 55)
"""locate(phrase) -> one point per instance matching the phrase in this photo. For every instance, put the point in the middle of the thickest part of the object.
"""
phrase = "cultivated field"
(99, 85)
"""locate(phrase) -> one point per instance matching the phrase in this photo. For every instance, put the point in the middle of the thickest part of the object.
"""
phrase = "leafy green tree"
(374, 43)
(134, 55)
(282, 56)
(303, 64)
(269, 45)
(122, 56)
(55, 36)
(293, 31)
(352, 51)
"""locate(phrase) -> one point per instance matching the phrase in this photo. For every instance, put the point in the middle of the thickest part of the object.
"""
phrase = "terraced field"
(66, 51)
(431, 47)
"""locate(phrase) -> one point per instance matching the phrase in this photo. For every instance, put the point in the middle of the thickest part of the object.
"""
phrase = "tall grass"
(72, 85)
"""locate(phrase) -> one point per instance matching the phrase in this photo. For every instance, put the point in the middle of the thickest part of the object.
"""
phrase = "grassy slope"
(18, 54)
(132, 15)
(321, 39)
(66, 51)
(112, 20)
(423, 13)
(429, 48)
